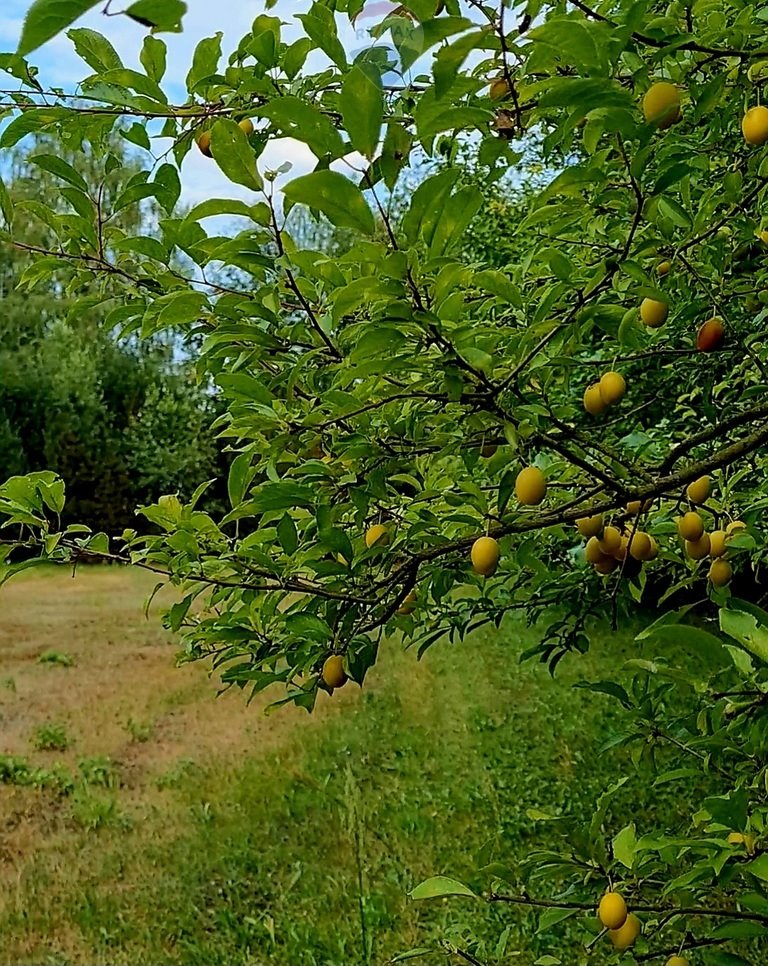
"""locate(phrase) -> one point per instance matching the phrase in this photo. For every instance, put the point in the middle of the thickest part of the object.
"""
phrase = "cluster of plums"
(607, 546)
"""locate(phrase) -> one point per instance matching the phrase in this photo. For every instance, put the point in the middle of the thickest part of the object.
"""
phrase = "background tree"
(419, 427)
(78, 400)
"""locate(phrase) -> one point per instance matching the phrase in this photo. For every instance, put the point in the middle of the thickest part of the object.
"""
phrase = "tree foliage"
(383, 400)
(120, 420)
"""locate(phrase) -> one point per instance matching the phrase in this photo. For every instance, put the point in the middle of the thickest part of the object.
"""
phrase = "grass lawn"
(165, 825)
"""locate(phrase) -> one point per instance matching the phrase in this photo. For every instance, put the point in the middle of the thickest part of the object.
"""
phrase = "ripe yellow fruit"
(408, 606)
(621, 551)
(593, 551)
(485, 555)
(661, 105)
(637, 506)
(607, 565)
(612, 387)
(699, 490)
(640, 546)
(612, 911)
(204, 143)
(690, 526)
(734, 526)
(593, 399)
(663, 268)
(377, 534)
(698, 549)
(334, 674)
(499, 89)
(530, 486)
(590, 526)
(677, 961)
(654, 549)
(653, 313)
(754, 125)
(626, 935)
(720, 572)
(610, 542)
(246, 126)
(717, 541)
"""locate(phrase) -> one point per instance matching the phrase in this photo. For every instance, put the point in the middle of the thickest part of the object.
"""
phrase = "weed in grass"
(140, 731)
(99, 772)
(94, 810)
(18, 771)
(56, 657)
(52, 736)
(183, 768)
(9, 684)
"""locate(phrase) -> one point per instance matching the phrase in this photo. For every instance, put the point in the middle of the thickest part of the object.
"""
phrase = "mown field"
(145, 820)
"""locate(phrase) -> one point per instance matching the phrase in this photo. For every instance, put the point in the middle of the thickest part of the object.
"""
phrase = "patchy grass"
(225, 837)
(51, 736)
(57, 658)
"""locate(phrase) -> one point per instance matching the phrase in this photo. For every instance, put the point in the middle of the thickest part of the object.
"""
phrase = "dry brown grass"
(125, 699)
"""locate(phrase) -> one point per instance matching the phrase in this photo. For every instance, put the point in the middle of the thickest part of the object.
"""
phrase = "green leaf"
(426, 204)
(137, 134)
(219, 206)
(449, 59)
(6, 205)
(320, 26)
(416, 953)
(28, 123)
(265, 44)
(167, 186)
(95, 49)
(729, 810)
(440, 885)
(550, 917)
(744, 628)
(286, 534)
(153, 57)
(361, 102)
(295, 118)
(340, 200)
(46, 18)
(607, 687)
(205, 61)
(158, 14)
(234, 154)
(281, 496)
(308, 625)
(624, 845)
(759, 867)
(241, 472)
(499, 285)
(683, 635)
(455, 217)
(60, 168)
(414, 40)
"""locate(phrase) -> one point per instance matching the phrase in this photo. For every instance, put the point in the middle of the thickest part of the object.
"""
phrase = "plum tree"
(425, 392)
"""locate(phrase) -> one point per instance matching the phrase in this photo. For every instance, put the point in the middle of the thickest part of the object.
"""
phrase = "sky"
(60, 67)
